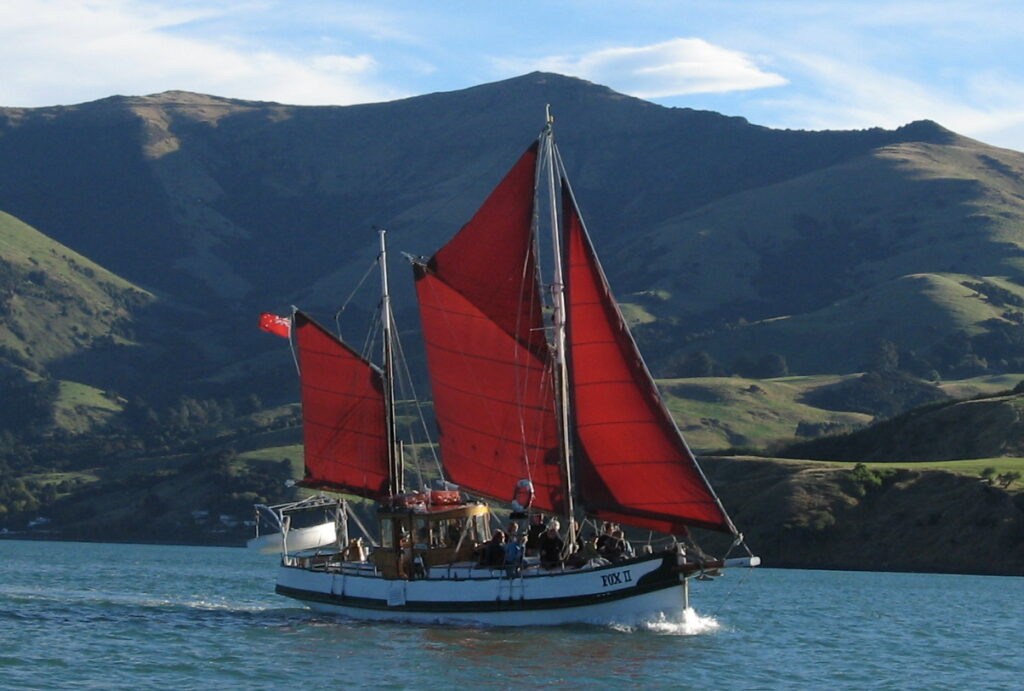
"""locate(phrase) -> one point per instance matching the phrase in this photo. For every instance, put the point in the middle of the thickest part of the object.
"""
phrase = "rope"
(344, 305)
(729, 595)
(406, 379)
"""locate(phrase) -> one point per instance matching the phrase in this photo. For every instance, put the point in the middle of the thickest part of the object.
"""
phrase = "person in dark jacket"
(550, 545)
(534, 532)
(494, 551)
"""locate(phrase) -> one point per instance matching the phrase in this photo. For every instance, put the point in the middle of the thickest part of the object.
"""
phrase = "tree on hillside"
(883, 394)
(885, 357)
(988, 474)
(772, 365)
(1008, 478)
(698, 364)
(766, 367)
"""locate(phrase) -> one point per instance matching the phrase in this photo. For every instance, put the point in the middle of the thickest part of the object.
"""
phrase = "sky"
(800, 64)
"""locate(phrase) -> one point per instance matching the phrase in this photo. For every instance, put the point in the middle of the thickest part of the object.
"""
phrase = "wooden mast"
(396, 470)
(558, 299)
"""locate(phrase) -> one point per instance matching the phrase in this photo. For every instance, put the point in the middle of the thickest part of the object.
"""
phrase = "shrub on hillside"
(882, 394)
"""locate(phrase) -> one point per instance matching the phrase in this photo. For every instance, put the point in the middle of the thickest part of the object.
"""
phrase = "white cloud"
(73, 51)
(673, 68)
(840, 95)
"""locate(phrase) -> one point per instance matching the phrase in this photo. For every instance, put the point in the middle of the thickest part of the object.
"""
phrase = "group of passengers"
(508, 548)
(609, 547)
(504, 549)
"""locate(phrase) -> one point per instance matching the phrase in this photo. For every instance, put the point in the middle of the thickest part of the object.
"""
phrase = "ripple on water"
(129, 616)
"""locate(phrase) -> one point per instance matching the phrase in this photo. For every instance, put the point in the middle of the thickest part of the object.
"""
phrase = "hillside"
(56, 305)
(804, 514)
(783, 285)
(984, 427)
(717, 234)
(55, 302)
(912, 243)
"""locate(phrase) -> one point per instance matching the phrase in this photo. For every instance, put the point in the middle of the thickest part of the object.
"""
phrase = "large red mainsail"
(489, 361)
(344, 431)
(632, 464)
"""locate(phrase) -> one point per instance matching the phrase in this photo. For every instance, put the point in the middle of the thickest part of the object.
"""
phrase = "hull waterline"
(627, 593)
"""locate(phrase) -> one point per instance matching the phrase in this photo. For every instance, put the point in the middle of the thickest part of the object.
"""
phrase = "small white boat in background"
(297, 526)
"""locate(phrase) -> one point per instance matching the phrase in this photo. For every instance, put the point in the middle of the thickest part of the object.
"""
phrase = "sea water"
(105, 616)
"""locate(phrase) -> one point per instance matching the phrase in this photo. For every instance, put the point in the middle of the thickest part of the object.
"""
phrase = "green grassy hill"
(979, 428)
(54, 302)
(914, 311)
(721, 412)
(911, 243)
(55, 305)
(716, 413)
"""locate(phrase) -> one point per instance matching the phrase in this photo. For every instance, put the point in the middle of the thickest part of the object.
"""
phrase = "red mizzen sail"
(345, 436)
(489, 362)
(632, 464)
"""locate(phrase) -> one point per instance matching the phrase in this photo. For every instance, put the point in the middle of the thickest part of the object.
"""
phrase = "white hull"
(627, 593)
(299, 539)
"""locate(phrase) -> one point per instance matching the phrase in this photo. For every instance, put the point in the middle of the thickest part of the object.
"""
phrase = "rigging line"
(729, 601)
(406, 379)
(351, 512)
(292, 342)
(344, 305)
(370, 340)
(526, 281)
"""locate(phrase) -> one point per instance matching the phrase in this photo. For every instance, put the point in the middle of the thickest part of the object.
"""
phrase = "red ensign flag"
(271, 323)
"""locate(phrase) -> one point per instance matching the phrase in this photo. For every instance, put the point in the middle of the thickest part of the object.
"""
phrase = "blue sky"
(781, 63)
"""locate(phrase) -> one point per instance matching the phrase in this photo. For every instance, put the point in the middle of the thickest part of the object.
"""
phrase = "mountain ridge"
(717, 235)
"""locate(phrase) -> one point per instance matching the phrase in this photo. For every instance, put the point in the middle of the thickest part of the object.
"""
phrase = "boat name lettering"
(617, 578)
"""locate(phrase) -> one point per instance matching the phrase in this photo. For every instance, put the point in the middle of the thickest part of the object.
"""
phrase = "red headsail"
(342, 413)
(489, 362)
(632, 463)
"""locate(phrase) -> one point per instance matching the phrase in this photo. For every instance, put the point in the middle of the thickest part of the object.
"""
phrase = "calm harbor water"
(110, 616)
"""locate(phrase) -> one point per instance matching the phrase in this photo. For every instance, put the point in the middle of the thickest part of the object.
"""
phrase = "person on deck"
(514, 555)
(616, 548)
(587, 552)
(550, 545)
(533, 534)
(494, 551)
(627, 549)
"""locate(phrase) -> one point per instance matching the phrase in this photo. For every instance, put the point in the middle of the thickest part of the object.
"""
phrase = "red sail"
(487, 353)
(631, 461)
(345, 436)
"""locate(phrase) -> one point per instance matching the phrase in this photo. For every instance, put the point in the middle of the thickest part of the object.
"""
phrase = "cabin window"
(387, 533)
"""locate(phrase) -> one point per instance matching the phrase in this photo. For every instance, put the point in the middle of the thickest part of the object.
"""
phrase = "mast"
(396, 470)
(558, 298)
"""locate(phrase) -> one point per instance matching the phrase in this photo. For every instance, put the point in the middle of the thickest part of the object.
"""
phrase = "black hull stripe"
(659, 579)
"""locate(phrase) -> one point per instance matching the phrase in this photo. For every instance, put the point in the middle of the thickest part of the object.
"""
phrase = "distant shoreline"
(766, 562)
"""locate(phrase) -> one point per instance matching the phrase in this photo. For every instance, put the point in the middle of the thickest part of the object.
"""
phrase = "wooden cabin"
(416, 536)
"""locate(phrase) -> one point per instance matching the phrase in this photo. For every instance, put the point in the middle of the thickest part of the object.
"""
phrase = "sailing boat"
(539, 395)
